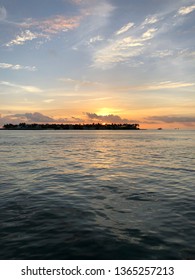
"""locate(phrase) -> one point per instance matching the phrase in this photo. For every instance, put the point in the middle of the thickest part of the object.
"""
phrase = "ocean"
(97, 194)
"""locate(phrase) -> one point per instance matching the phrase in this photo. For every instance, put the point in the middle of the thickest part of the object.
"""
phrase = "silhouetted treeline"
(93, 126)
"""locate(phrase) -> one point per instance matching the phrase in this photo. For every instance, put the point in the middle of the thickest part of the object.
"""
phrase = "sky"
(107, 61)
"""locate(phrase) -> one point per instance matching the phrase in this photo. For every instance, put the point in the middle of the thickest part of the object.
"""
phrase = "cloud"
(102, 9)
(17, 67)
(80, 2)
(154, 33)
(167, 85)
(149, 34)
(186, 10)
(77, 84)
(172, 119)
(97, 14)
(108, 119)
(27, 117)
(26, 35)
(77, 1)
(95, 39)
(150, 20)
(3, 13)
(31, 89)
(44, 28)
(84, 2)
(125, 28)
(80, 82)
(36, 118)
(162, 53)
(160, 86)
(119, 50)
(49, 100)
(53, 25)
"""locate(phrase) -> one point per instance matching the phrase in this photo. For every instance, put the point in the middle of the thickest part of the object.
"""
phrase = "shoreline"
(98, 126)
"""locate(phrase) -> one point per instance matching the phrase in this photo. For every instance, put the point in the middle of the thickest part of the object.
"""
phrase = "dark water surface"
(97, 195)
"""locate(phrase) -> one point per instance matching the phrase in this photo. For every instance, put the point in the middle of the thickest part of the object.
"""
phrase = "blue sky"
(89, 60)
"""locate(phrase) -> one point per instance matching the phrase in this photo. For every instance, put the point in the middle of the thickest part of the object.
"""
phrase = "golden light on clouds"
(90, 60)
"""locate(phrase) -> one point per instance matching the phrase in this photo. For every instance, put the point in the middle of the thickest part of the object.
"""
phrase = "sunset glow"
(70, 61)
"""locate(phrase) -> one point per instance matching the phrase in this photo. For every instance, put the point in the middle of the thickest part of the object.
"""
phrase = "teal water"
(97, 194)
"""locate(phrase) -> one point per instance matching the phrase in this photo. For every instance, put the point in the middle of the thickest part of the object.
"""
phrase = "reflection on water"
(97, 195)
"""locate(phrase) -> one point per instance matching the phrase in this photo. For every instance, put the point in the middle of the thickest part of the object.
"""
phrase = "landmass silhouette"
(93, 126)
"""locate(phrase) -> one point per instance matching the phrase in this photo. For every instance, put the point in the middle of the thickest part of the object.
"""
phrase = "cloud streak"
(186, 10)
(53, 25)
(95, 39)
(141, 40)
(150, 20)
(45, 28)
(119, 50)
(172, 119)
(125, 28)
(17, 67)
(30, 89)
(163, 86)
(97, 13)
(26, 35)
(78, 84)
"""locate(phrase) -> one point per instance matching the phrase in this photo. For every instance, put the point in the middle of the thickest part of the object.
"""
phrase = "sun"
(107, 111)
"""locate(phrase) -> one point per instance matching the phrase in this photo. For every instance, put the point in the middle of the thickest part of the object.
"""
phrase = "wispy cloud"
(166, 85)
(30, 89)
(172, 119)
(153, 86)
(45, 28)
(120, 50)
(150, 20)
(158, 86)
(149, 34)
(112, 54)
(49, 100)
(125, 28)
(144, 41)
(98, 14)
(102, 9)
(77, 84)
(186, 10)
(17, 67)
(162, 53)
(3, 13)
(95, 39)
(54, 24)
(78, 2)
(26, 35)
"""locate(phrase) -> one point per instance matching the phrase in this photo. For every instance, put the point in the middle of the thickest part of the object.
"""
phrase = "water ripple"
(97, 195)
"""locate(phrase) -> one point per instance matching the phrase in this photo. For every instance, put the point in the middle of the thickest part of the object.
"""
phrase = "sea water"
(97, 194)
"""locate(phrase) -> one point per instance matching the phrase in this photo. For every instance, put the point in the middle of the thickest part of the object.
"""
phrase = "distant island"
(93, 126)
